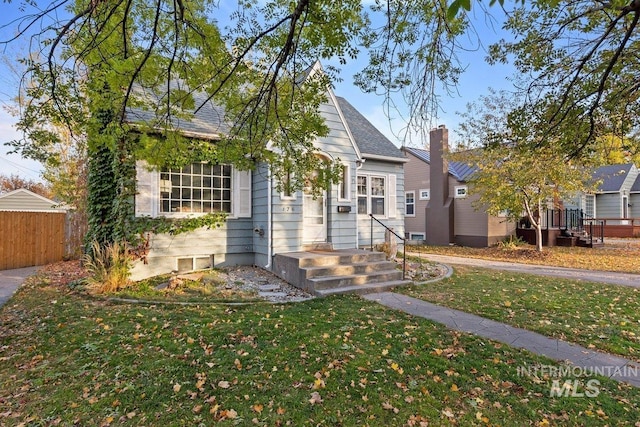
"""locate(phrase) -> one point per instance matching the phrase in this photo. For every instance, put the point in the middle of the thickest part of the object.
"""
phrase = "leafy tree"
(15, 182)
(518, 170)
(612, 149)
(576, 60)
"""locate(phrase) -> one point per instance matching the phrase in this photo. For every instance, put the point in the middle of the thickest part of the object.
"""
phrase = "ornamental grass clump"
(109, 267)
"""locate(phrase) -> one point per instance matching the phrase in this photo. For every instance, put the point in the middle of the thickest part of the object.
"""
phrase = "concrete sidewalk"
(10, 281)
(615, 367)
(623, 279)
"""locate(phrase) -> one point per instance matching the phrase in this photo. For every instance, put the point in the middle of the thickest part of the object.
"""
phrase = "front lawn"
(621, 255)
(69, 359)
(595, 315)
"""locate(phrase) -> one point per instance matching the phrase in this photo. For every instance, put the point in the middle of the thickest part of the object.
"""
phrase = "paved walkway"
(10, 281)
(615, 367)
(624, 279)
(589, 361)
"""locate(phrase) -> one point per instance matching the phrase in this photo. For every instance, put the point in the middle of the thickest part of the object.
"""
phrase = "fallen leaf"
(315, 398)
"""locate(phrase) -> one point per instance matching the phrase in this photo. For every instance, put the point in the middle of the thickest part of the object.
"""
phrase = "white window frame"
(369, 196)
(457, 189)
(413, 203)
(412, 236)
(344, 186)
(593, 198)
(425, 194)
(283, 194)
(233, 189)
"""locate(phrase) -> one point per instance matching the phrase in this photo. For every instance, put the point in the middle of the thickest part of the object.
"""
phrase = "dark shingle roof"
(611, 176)
(207, 122)
(635, 188)
(368, 139)
(460, 171)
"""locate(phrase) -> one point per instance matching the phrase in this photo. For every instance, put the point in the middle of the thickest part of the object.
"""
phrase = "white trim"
(283, 195)
(460, 187)
(34, 211)
(236, 193)
(346, 182)
(413, 203)
(421, 194)
(386, 196)
(386, 158)
(586, 197)
(422, 236)
(317, 67)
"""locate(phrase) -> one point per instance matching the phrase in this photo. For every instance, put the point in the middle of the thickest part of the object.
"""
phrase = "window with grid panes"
(199, 188)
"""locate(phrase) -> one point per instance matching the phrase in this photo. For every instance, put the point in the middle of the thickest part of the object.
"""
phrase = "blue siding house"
(263, 222)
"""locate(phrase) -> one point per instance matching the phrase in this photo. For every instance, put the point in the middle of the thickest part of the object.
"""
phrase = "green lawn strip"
(600, 316)
(68, 359)
(608, 258)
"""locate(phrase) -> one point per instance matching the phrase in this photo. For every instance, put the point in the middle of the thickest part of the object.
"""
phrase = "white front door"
(314, 213)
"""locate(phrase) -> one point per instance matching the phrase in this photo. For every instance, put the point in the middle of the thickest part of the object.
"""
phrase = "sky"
(476, 81)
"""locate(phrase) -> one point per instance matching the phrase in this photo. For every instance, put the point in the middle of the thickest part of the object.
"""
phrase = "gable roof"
(23, 200)
(371, 142)
(635, 188)
(459, 170)
(207, 122)
(612, 177)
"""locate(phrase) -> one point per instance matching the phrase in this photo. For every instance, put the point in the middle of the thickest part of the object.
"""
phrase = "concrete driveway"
(10, 281)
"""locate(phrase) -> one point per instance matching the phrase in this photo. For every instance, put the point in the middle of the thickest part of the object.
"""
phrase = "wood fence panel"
(31, 238)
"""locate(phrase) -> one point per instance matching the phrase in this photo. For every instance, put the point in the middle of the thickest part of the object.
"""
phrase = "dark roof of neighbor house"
(367, 137)
(635, 188)
(460, 170)
(207, 121)
(612, 177)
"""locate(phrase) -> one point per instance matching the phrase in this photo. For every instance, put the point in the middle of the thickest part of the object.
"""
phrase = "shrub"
(511, 242)
(109, 267)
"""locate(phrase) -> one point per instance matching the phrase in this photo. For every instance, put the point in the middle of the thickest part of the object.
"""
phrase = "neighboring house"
(23, 200)
(263, 222)
(617, 195)
(438, 210)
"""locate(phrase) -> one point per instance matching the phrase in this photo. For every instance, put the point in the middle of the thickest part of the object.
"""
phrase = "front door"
(314, 211)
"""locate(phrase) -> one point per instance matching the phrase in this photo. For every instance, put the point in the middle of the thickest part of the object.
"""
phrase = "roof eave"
(385, 158)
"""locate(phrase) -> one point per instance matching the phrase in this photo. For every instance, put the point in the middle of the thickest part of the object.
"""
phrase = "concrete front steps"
(327, 272)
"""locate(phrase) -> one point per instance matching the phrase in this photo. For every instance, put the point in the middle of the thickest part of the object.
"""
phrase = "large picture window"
(372, 195)
(199, 188)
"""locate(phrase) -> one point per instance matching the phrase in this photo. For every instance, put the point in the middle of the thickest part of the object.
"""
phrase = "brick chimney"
(439, 216)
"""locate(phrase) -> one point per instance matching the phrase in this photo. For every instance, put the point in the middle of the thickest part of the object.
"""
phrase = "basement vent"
(194, 263)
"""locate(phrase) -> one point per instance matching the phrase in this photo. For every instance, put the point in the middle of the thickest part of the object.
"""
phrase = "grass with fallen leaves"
(622, 255)
(595, 315)
(69, 359)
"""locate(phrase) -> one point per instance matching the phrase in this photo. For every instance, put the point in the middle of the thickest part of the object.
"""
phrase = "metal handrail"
(404, 246)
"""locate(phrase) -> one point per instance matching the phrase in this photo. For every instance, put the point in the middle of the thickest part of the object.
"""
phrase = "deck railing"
(574, 220)
(404, 246)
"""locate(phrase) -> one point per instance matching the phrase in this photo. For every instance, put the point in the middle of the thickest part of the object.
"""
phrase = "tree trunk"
(539, 237)
(539, 228)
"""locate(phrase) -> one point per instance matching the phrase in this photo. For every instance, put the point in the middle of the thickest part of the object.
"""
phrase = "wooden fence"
(31, 238)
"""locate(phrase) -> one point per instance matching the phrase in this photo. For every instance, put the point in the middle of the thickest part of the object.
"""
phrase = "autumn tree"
(111, 55)
(517, 169)
(577, 60)
(15, 182)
